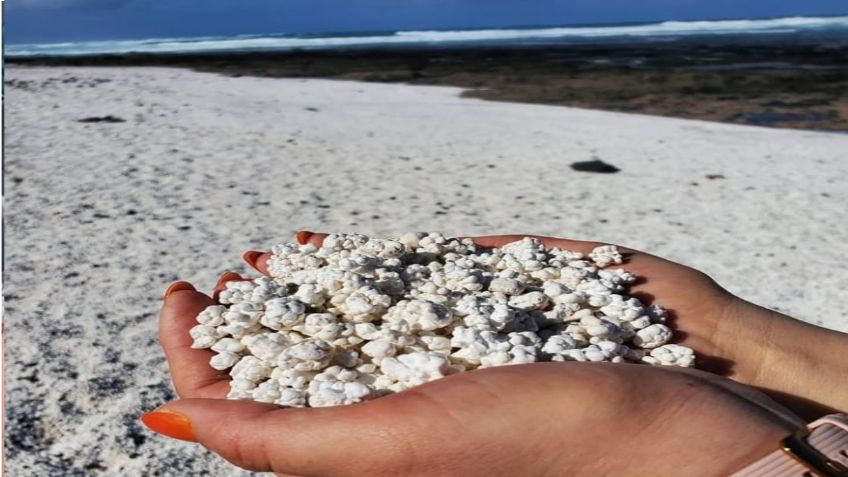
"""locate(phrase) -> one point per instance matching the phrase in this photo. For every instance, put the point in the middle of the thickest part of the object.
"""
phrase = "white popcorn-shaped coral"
(242, 319)
(325, 326)
(535, 300)
(418, 315)
(379, 349)
(624, 309)
(523, 347)
(289, 378)
(473, 345)
(671, 355)
(310, 294)
(365, 304)
(337, 386)
(255, 291)
(204, 336)
(308, 355)
(266, 346)
(414, 368)
(268, 391)
(507, 286)
(288, 258)
(606, 255)
(241, 388)
(283, 312)
(224, 360)
(360, 317)
(251, 368)
(229, 345)
(652, 336)
(489, 348)
(212, 315)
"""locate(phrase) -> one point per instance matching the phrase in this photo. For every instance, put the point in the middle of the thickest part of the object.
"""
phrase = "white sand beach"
(102, 216)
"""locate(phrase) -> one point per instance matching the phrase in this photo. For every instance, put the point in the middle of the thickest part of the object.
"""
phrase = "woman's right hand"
(798, 364)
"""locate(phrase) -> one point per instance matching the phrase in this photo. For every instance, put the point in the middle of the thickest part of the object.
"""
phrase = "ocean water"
(816, 29)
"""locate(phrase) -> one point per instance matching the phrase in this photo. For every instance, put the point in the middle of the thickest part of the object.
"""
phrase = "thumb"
(266, 438)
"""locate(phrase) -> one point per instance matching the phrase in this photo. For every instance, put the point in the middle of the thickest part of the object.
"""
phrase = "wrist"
(800, 365)
(819, 447)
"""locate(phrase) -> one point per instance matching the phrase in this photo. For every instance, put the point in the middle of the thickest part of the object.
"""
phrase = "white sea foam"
(563, 35)
(655, 29)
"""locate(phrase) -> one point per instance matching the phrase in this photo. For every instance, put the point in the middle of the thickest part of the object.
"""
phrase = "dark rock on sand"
(596, 165)
(101, 119)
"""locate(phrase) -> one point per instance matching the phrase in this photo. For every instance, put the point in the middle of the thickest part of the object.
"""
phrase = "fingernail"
(227, 277)
(303, 236)
(169, 423)
(251, 256)
(178, 286)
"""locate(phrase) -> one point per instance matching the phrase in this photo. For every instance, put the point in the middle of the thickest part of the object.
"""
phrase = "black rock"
(596, 165)
(101, 119)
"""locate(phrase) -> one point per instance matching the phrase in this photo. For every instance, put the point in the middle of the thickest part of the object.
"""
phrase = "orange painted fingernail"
(303, 236)
(251, 256)
(227, 277)
(178, 286)
(169, 423)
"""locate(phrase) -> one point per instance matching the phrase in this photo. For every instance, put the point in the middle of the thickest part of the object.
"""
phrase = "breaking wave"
(505, 36)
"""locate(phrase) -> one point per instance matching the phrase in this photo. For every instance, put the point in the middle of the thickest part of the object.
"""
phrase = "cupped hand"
(798, 364)
(537, 419)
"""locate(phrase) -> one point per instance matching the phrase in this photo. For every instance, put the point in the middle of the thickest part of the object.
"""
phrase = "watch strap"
(819, 450)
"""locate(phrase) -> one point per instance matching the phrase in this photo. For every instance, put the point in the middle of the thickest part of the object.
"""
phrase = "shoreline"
(798, 86)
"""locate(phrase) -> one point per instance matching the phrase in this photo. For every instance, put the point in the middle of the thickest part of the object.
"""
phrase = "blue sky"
(40, 21)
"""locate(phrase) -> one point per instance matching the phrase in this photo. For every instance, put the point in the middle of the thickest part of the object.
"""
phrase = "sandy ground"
(102, 216)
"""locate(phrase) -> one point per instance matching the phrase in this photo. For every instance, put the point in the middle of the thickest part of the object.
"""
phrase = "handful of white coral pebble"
(361, 317)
